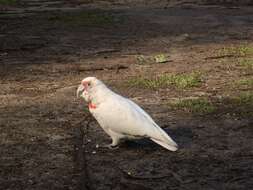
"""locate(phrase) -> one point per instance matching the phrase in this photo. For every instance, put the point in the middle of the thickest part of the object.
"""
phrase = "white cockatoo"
(120, 117)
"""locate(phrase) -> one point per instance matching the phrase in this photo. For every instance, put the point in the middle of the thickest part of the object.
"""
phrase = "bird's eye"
(88, 84)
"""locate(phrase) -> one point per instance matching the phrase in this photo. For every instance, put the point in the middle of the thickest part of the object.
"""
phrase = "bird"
(120, 117)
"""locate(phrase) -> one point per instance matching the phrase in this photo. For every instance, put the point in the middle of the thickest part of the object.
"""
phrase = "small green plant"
(141, 59)
(161, 58)
(166, 80)
(186, 80)
(8, 2)
(197, 106)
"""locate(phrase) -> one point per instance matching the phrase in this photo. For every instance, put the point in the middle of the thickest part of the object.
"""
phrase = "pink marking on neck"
(92, 106)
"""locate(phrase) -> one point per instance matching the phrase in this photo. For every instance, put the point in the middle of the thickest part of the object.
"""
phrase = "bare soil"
(45, 140)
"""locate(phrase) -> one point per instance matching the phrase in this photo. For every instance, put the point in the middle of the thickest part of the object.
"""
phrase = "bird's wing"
(160, 132)
(128, 118)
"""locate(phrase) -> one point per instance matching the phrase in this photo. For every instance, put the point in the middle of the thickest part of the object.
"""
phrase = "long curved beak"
(80, 90)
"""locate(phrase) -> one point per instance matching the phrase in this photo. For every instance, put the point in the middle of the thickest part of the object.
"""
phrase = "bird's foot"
(110, 146)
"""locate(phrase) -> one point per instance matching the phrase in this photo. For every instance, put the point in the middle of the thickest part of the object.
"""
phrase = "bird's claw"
(110, 146)
(113, 147)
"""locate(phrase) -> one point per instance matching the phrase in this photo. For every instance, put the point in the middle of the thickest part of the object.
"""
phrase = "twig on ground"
(219, 57)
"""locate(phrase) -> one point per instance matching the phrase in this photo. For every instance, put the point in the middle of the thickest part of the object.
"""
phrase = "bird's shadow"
(181, 135)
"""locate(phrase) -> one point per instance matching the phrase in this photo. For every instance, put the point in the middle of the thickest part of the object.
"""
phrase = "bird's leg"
(113, 145)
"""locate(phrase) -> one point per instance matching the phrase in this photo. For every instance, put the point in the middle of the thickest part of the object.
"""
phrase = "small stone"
(94, 152)
(97, 145)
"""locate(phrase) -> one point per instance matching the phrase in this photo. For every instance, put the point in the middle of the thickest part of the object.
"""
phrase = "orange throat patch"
(92, 106)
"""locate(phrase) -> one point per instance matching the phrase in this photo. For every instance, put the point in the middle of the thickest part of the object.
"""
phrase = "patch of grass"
(159, 58)
(196, 106)
(8, 2)
(87, 18)
(246, 63)
(177, 80)
(244, 99)
(236, 51)
(245, 82)
(141, 59)
(240, 105)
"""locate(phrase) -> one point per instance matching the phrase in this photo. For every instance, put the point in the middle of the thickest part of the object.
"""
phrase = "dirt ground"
(48, 47)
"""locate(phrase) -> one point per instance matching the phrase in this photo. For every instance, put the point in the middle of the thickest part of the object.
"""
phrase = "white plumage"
(120, 117)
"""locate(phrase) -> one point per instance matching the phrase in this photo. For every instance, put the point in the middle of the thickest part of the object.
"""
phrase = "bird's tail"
(165, 140)
(166, 145)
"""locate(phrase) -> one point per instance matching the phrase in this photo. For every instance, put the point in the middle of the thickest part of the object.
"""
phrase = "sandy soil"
(45, 142)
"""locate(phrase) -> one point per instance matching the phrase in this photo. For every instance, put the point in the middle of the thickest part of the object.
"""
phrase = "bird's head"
(87, 86)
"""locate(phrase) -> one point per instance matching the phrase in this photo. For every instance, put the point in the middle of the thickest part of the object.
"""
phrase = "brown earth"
(44, 139)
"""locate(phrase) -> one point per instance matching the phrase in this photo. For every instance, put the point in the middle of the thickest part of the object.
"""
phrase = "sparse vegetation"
(235, 57)
(141, 59)
(8, 2)
(244, 99)
(248, 82)
(177, 80)
(159, 58)
(240, 105)
(246, 63)
(236, 51)
(196, 105)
